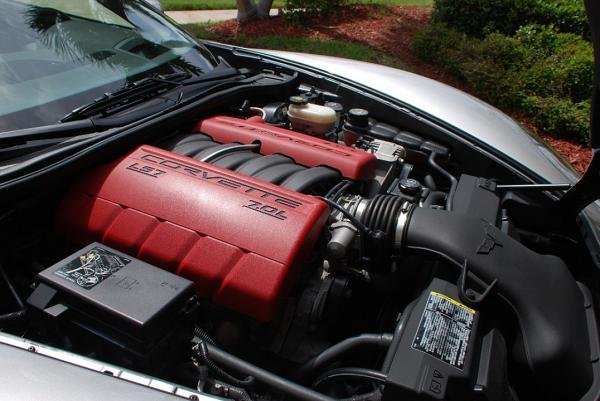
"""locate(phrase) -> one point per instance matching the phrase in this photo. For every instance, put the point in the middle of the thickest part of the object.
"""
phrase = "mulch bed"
(388, 29)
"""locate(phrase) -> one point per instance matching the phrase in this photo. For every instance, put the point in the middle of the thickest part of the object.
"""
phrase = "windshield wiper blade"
(142, 90)
(130, 95)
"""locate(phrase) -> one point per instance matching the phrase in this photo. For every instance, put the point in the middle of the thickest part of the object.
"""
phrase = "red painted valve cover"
(241, 240)
(309, 151)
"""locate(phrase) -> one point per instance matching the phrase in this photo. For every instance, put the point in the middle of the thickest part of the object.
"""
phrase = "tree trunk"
(246, 10)
(264, 6)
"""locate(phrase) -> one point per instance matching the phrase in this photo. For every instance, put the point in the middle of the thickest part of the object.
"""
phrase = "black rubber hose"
(12, 316)
(19, 314)
(381, 213)
(400, 327)
(289, 388)
(430, 182)
(453, 181)
(372, 396)
(345, 185)
(335, 189)
(201, 351)
(238, 394)
(351, 373)
(203, 335)
(311, 368)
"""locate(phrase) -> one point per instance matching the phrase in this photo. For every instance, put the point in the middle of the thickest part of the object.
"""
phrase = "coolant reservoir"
(310, 118)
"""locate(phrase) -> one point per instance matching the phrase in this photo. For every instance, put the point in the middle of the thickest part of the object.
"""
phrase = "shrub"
(559, 64)
(479, 17)
(566, 15)
(540, 72)
(560, 116)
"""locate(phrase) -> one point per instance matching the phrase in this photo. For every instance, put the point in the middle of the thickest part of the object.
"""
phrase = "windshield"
(58, 54)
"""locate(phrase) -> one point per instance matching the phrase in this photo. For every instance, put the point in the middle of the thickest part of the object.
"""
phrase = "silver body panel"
(31, 371)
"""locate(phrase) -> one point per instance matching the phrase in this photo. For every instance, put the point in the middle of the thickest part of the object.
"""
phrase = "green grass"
(230, 4)
(337, 48)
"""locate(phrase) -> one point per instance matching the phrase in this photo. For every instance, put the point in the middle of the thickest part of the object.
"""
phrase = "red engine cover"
(309, 151)
(241, 240)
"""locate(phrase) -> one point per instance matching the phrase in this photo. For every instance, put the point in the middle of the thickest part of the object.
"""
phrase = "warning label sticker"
(445, 329)
(93, 267)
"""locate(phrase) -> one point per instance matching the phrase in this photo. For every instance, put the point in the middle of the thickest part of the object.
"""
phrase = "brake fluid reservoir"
(310, 118)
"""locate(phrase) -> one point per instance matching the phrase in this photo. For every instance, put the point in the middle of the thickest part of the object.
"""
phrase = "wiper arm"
(128, 96)
(140, 91)
(9, 138)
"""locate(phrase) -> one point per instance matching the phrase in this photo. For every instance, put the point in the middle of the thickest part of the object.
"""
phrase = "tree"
(248, 10)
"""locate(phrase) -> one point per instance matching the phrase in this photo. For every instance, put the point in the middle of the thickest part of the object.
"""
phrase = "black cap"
(409, 186)
(298, 100)
(358, 118)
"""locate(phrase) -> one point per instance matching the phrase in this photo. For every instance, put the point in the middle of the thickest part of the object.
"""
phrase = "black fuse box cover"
(433, 358)
(101, 287)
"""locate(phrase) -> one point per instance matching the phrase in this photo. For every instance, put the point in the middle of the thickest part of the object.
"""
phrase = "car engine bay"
(307, 247)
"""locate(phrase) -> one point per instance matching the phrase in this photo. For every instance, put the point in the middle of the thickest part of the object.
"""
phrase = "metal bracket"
(469, 295)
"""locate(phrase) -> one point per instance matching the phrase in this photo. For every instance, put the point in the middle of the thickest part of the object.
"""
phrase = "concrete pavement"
(199, 16)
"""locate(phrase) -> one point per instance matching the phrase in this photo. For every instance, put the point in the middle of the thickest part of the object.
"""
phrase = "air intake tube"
(539, 289)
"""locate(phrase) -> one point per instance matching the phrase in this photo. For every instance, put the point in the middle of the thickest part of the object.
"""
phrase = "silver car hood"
(473, 117)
